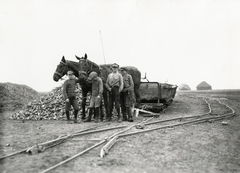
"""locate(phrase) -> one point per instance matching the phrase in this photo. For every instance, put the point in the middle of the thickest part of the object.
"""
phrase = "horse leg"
(101, 111)
(105, 99)
(123, 106)
(84, 99)
(137, 94)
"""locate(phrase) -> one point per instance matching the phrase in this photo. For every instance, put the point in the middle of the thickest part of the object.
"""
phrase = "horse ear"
(85, 56)
(77, 57)
(63, 59)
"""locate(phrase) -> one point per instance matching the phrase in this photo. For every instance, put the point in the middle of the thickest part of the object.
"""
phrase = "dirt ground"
(204, 147)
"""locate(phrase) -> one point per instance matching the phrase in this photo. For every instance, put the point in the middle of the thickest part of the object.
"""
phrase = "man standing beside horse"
(96, 96)
(69, 94)
(127, 95)
(114, 85)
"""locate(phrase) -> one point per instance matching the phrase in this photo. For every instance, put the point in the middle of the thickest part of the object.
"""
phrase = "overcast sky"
(179, 41)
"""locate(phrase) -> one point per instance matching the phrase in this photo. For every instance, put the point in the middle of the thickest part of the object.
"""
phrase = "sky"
(173, 41)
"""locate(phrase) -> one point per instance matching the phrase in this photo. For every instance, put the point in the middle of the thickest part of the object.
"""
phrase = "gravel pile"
(15, 96)
(48, 107)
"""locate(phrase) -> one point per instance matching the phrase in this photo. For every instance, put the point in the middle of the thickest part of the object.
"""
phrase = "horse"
(86, 66)
(62, 69)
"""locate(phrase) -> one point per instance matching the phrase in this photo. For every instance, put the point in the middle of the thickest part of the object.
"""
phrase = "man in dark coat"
(127, 95)
(69, 95)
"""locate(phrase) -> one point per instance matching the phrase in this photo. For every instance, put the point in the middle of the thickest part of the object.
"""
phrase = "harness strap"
(66, 66)
(58, 73)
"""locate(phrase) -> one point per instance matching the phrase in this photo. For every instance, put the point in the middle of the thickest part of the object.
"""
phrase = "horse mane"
(93, 66)
(93, 63)
(104, 66)
(74, 66)
(73, 62)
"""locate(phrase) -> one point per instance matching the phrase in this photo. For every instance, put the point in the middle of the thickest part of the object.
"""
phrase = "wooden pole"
(102, 46)
(179, 124)
(73, 157)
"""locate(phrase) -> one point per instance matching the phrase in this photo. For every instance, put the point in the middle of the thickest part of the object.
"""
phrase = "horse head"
(61, 70)
(63, 67)
(86, 67)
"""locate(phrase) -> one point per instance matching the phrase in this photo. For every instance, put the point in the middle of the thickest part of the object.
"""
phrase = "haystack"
(204, 86)
(184, 87)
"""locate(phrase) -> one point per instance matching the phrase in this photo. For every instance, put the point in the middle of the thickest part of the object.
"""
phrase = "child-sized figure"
(69, 95)
(96, 96)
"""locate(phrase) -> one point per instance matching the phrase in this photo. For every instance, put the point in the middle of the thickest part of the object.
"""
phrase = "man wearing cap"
(127, 96)
(69, 95)
(114, 84)
(96, 96)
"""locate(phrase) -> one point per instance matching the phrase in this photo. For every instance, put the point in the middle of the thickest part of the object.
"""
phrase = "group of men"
(120, 87)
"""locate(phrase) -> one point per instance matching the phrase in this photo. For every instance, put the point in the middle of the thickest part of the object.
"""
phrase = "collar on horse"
(89, 68)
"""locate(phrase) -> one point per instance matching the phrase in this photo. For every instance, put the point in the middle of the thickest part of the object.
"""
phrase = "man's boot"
(101, 113)
(109, 116)
(68, 116)
(124, 113)
(96, 114)
(83, 112)
(130, 116)
(75, 116)
(89, 118)
(83, 116)
(119, 115)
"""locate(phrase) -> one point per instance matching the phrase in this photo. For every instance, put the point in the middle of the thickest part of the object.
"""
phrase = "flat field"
(203, 147)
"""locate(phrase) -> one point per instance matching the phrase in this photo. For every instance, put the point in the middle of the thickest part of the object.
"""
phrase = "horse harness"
(65, 68)
(87, 69)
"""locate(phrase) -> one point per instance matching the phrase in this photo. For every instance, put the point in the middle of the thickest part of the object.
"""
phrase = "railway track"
(123, 131)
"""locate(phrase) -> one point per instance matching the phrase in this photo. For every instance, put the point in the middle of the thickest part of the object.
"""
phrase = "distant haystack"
(204, 86)
(184, 87)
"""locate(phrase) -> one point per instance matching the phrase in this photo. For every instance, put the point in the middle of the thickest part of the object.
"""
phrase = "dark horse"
(86, 66)
(62, 69)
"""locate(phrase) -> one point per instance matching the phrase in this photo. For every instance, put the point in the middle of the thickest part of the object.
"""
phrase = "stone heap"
(48, 107)
(14, 96)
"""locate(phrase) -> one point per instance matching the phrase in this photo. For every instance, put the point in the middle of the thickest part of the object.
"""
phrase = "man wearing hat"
(114, 85)
(96, 96)
(127, 96)
(69, 95)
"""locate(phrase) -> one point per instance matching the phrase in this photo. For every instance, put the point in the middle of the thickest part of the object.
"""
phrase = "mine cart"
(156, 96)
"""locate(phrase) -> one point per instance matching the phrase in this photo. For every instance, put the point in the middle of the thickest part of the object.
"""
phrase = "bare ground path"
(206, 147)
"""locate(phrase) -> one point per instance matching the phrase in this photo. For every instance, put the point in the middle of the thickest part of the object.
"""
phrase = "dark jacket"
(69, 88)
(97, 87)
(128, 84)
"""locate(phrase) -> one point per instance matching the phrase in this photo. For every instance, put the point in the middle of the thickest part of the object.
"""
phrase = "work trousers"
(72, 102)
(114, 99)
(95, 102)
(127, 98)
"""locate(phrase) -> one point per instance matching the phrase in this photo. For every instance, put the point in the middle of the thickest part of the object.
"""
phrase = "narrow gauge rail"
(64, 138)
(61, 139)
(205, 117)
(197, 119)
